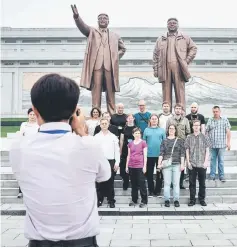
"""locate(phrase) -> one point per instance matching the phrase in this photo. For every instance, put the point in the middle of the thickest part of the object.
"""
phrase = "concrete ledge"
(145, 212)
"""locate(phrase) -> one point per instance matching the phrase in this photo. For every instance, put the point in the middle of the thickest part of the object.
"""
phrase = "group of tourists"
(166, 145)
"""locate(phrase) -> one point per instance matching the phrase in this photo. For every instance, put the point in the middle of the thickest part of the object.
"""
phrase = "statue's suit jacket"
(94, 40)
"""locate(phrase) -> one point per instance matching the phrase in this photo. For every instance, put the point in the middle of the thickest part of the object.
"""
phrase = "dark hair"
(149, 124)
(103, 14)
(97, 110)
(136, 129)
(178, 105)
(216, 107)
(165, 102)
(29, 110)
(172, 19)
(55, 97)
(176, 131)
(194, 121)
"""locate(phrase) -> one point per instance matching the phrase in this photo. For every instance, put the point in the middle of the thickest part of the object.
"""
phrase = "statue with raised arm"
(173, 52)
(100, 70)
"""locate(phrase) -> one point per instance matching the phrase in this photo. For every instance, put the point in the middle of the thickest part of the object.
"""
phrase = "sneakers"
(182, 187)
(132, 204)
(222, 179)
(176, 204)
(20, 195)
(150, 195)
(99, 204)
(142, 205)
(167, 204)
(191, 203)
(211, 178)
(203, 203)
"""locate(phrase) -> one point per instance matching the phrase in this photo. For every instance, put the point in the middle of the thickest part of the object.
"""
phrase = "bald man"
(194, 115)
(119, 119)
(142, 117)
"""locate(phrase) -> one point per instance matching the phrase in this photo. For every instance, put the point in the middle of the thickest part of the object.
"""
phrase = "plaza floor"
(144, 231)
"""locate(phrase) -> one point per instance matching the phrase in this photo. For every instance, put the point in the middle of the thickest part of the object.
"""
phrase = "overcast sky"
(123, 13)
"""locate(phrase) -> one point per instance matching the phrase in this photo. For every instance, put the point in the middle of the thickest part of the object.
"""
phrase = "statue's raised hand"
(75, 11)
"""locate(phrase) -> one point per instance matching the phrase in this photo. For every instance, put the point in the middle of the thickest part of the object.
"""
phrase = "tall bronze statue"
(100, 70)
(173, 52)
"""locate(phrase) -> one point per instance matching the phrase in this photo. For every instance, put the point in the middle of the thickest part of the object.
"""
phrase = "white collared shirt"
(57, 174)
(28, 128)
(110, 145)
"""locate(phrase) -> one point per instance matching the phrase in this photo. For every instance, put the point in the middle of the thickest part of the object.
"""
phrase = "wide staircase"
(219, 195)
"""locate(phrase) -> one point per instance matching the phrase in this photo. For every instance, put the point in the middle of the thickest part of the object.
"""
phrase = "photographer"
(56, 171)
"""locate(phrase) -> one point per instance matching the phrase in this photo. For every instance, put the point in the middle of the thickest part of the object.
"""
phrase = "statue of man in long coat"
(100, 70)
(173, 52)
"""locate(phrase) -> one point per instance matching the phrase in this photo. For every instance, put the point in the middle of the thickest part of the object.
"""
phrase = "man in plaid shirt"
(218, 130)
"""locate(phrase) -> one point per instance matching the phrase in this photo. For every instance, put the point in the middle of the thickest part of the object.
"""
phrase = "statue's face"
(172, 26)
(103, 21)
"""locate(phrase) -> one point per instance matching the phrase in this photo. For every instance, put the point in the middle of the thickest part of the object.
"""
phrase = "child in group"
(136, 167)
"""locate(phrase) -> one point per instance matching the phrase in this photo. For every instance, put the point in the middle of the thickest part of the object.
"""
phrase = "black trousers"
(152, 162)
(201, 173)
(181, 182)
(123, 174)
(138, 181)
(86, 242)
(106, 188)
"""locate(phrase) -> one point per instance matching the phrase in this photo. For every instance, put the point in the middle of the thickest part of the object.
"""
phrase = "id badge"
(120, 128)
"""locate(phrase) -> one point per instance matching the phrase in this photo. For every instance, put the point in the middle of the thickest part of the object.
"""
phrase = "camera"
(71, 118)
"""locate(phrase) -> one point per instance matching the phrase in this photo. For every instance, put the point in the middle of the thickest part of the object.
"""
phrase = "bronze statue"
(100, 70)
(173, 52)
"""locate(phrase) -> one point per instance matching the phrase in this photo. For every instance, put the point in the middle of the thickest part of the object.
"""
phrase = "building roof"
(130, 32)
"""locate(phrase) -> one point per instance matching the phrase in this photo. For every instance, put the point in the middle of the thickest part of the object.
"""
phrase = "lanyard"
(59, 131)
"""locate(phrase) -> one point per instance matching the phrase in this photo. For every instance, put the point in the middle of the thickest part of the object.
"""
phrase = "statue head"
(103, 20)
(172, 24)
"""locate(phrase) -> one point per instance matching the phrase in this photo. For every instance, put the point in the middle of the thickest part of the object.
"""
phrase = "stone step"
(151, 210)
(120, 192)
(154, 200)
(231, 181)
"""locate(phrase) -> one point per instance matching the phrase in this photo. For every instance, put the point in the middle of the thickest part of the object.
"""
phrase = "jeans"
(123, 174)
(138, 181)
(201, 173)
(217, 153)
(171, 174)
(152, 162)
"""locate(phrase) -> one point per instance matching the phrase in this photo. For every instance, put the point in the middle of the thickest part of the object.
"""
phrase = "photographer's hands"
(78, 122)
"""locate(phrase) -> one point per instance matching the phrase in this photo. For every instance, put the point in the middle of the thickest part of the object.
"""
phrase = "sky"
(123, 13)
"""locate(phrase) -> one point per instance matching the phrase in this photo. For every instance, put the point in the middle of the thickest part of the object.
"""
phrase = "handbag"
(168, 162)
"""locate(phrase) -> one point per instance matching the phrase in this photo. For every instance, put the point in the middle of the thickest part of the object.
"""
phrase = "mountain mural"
(132, 89)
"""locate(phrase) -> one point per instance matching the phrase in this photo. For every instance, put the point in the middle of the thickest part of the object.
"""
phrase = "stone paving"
(144, 231)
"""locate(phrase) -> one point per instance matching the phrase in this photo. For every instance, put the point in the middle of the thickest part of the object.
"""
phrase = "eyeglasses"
(196, 125)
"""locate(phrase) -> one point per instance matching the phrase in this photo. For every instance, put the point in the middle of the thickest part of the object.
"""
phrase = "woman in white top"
(27, 128)
(31, 126)
(93, 121)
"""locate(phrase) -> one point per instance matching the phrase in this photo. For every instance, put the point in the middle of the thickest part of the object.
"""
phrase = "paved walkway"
(145, 231)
